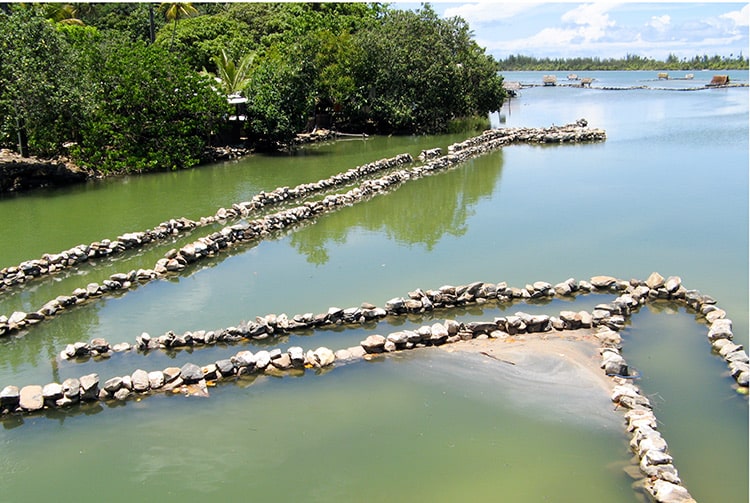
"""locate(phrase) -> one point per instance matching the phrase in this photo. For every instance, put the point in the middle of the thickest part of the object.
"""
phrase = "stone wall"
(660, 477)
(232, 235)
(22, 173)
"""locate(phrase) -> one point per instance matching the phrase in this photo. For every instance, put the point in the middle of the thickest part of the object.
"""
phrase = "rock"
(321, 357)
(655, 280)
(140, 381)
(283, 362)
(603, 281)
(652, 442)
(374, 343)
(716, 314)
(262, 359)
(565, 288)
(52, 392)
(90, 387)
(9, 397)
(389, 347)
(31, 398)
(127, 382)
(210, 372)
(72, 388)
(614, 364)
(667, 492)
(191, 373)
(17, 318)
(99, 345)
(112, 385)
(438, 333)
(452, 326)
(244, 359)
(607, 336)
(122, 394)
(720, 329)
(672, 283)
(297, 356)
(156, 379)
(353, 353)
(121, 347)
(655, 457)
(742, 379)
(170, 374)
(640, 421)
(729, 347)
(398, 338)
(395, 305)
(225, 367)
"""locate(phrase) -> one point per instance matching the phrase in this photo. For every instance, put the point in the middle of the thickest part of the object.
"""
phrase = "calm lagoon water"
(667, 192)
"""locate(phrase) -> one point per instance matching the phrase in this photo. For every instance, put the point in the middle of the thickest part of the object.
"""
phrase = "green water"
(667, 191)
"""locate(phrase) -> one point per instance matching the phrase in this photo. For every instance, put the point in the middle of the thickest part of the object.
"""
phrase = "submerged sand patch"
(552, 377)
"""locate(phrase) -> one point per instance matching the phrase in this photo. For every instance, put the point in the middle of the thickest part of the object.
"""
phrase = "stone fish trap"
(661, 479)
(258, 229)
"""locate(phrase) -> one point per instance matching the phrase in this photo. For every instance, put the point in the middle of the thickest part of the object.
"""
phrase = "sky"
(603, 29)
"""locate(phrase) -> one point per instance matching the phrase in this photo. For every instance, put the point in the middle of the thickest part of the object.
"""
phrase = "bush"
(153, 112)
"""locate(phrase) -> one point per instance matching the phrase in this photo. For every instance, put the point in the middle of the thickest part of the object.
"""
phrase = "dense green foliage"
(153, 111)
(630, 62)
(38, 87)
(452, 78)
(133, 87)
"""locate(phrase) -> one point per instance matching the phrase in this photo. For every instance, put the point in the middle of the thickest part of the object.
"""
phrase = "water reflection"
(406, 215)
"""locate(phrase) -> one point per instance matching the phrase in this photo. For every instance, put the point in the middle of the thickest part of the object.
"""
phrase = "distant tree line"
(142, 86)
(629, 62)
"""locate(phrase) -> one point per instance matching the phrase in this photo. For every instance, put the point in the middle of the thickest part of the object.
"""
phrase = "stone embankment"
(660, 477)
(613, 315)
(217, 242)
(22, 173)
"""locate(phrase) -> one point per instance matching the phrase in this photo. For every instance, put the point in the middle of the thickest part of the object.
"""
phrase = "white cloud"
(487, 12)
(739, 17)
(605, 29)
(592, 20)
(659, 23)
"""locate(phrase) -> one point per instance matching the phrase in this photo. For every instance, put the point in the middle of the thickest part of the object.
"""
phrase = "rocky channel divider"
(660, 478)
(54, 262)
(215, 243)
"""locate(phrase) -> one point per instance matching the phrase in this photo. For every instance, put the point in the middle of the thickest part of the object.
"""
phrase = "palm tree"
(176, 11)
(63, 13)
(233, 77)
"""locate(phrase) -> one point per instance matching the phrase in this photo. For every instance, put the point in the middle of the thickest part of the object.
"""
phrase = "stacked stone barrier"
(613, 315)
(51, 263)
(660, 477)
(209, 246)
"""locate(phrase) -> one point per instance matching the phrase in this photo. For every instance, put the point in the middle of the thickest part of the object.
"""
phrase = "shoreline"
(22, 174)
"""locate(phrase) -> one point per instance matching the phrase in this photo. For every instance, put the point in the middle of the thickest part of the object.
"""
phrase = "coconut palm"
(232, 77)
(176, 11)
(63, 13)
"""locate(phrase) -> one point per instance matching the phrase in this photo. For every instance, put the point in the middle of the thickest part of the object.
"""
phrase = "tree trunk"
(151, 28)
(23, 139)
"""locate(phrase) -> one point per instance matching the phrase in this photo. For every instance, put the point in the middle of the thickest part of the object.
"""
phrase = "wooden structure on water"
(718, 81)
(586, 82)
(549, 80)
(662, 76)
(512, 88)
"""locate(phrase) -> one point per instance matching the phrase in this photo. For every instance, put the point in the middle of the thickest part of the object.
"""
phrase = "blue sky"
(603, 29)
